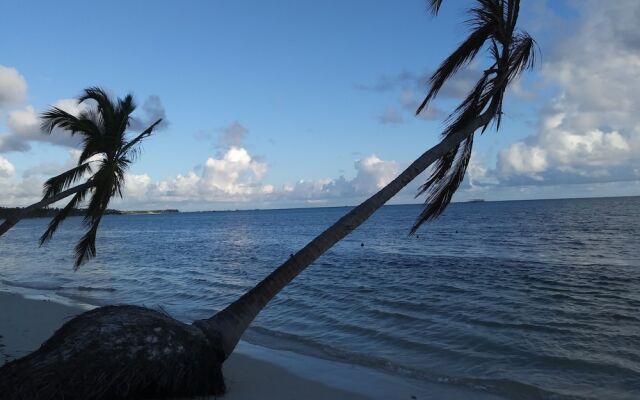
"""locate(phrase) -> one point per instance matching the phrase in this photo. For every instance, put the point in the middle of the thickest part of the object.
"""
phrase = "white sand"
(26, 323)
(252, 372)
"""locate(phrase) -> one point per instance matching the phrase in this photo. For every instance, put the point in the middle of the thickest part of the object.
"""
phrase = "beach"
(493, 298)
(251, 371)
(26, 323)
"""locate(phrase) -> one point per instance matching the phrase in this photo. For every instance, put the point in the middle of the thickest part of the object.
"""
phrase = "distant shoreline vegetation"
(50, 212)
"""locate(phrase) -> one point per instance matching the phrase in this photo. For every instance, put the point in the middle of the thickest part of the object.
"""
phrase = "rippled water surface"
(529, 299)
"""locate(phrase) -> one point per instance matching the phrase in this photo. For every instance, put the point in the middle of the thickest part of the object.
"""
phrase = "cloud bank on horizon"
(587, 133)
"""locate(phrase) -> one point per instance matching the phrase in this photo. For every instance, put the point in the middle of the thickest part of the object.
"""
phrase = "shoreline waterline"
(519, 299)
(29, 319)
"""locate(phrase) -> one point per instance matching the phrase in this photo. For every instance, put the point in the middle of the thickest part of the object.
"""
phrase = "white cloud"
(522, 159)
(237, 179)
(373, 174)
(136, 185)
(17, 192)
(235, 176)
(13, 87)
(7, 170)
(24, 128)
(590, 131)
(24, 123)
(26, 188)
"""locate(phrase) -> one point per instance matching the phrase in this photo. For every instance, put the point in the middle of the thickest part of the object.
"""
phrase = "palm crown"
(493, 26)
(106, 155)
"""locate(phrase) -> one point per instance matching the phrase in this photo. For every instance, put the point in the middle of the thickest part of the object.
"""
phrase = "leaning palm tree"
(129, 351)
(105, 157)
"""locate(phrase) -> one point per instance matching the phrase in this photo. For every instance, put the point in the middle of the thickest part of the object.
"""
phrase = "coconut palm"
(145, 353)
(105, 157)
(493, 24)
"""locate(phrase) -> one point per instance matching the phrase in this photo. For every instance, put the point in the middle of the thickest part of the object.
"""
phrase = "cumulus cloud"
(235, 176)
(238, 178)
(13, 87)
(234, 179)
(7, 170)
(16, 192)
(590, 131)
(24, 128)
(24, 123)
(373, 174)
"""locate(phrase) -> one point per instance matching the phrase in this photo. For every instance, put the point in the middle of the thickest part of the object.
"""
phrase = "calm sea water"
(531, 299)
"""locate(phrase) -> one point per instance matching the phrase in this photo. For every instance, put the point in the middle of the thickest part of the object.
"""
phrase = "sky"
(294, 104)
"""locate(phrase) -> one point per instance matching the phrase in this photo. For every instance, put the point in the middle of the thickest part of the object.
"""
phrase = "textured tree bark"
(117, 352)
(16, 217)
(231, 322)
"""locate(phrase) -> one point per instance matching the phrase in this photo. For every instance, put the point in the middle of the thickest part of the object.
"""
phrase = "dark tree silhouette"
(150, 354)
(105, 157)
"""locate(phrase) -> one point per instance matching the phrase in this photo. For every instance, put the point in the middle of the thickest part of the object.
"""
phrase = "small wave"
(94, 289)
(513, 389)
(502, 387)
(32, 285)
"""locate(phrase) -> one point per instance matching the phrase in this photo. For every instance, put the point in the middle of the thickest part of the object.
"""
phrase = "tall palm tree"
(493, 26)
(105, 157)
(173, 358)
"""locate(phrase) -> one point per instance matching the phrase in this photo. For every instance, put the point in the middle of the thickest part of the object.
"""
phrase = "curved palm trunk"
(17, 216)
(162, 356)
(229, 324)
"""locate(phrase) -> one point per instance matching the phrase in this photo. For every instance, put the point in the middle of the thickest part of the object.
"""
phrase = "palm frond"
(434, 6)
(492, 21)
(104, 104)
(513, 10)
(492, 13)
(93, 147)
(103, 128)
(523, 49)
(444, 181)
(92, 115)
(461, 57)
(86, 247)
(108, 181)
(62, 215)
(144, 134)
(56, 117)
(122, 115)
(469, 109)
(58, 183)
(103, 190)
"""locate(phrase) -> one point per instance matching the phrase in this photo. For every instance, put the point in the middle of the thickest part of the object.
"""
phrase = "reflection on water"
(534, 299)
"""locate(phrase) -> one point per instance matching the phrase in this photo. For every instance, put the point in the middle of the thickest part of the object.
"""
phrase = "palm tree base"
(118, 352)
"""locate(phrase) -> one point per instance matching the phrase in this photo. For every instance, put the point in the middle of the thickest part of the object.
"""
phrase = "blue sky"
(289, 103)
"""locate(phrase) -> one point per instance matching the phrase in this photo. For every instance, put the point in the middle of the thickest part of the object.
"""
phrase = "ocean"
(524, 299)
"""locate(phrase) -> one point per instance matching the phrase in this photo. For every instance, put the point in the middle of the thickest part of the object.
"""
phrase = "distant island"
(136, 212)
(50, 212)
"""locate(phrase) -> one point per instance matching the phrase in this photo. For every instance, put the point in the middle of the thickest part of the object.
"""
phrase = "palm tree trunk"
(18, 215)
(229, 324)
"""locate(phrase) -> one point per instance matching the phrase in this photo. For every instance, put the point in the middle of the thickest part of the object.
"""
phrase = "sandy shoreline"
(251, 372)
(26, 323)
